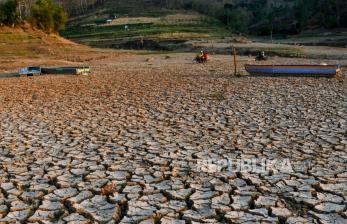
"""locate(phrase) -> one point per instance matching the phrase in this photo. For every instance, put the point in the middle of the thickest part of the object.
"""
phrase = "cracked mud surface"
(123, 145)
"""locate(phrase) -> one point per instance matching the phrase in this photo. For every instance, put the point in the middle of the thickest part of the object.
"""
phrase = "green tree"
(59, 18)
(2, 16)
(240, 19)
(48, 16)
(9, 13)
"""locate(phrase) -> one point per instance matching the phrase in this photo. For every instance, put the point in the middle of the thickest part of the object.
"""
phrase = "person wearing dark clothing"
(261, 56)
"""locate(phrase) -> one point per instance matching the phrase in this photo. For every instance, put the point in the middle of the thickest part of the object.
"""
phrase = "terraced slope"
(149, 26)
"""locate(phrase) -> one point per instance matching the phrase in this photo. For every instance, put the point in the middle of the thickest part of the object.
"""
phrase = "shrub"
(240, 19)
(48, 16)
(8, 13)
(2, 17)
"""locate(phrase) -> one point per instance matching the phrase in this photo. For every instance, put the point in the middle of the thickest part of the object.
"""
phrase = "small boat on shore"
(29, 71)
(67, 70)
(295, 70)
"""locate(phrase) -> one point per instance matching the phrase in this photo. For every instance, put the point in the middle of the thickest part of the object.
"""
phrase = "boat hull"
(66, 70)
(329, 70)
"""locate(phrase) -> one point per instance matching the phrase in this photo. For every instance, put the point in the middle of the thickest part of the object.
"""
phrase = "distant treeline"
(78, 7)
(266, 16)
(42, 14)
(72, 7)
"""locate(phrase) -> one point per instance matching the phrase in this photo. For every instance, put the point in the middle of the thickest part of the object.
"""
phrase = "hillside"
(173, 25)
(166, 32)
(24, 46)
(174, 30)
(154, 28)
(257, 16)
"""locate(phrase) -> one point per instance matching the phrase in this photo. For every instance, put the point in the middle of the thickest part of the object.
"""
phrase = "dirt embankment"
(25, 46)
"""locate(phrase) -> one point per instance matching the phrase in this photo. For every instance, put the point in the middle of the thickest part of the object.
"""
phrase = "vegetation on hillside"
(44, 14)
(8, 13)
(78, 7)
(48, 16)
(266, 16)
(167, 32)
(260, 17)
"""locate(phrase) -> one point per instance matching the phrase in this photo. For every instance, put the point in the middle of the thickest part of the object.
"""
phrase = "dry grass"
(179, 35)
(132, 20)
(182, 19)
(166, 20)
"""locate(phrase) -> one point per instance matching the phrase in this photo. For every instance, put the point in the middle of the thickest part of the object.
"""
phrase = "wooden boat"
(304, 70)
(67, 70)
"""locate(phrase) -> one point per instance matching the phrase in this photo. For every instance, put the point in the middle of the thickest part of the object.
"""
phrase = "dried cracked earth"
(141, 140)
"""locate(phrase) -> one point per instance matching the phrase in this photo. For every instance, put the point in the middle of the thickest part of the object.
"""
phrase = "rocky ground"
(143, 140)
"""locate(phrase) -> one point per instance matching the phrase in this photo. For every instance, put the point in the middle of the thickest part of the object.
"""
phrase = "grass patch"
(271, 51)
(9, 37)
(141, 30)
(179, 36)
(13, 52)
(289, 51)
